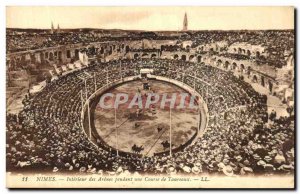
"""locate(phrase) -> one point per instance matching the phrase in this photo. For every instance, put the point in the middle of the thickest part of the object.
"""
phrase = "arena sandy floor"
(142, 129)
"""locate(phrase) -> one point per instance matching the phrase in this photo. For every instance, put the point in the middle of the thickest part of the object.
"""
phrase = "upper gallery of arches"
(233, 48)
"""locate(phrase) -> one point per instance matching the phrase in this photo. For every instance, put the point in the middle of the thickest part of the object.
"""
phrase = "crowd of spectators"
(47, 136)
(276, 42)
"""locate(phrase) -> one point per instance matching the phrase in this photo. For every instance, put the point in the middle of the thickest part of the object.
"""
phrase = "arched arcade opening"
(135, 56)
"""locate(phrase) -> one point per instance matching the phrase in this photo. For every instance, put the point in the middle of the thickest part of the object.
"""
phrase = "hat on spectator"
(286, 167)
(55, 169)
(261, 163)
(248, 169)
(93, 170)
(267, 158)
(228, 171)
(269, 167)
(239, 158)
(225, 161)
(171, 170)
(221, 165)
(279, 159)
(82, 169)
(256, 157)
(186, 169)
(196, 170)
(67, 165)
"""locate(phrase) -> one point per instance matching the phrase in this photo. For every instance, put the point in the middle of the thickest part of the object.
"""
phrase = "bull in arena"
(159, 129)
(166, 144)
(137, 149)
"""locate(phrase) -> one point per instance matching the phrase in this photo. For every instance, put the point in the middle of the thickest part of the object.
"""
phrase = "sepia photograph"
(150, 97)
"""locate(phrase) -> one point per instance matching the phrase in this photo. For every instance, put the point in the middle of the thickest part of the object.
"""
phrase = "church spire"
(52, 28)
(185, 23)
(58, 28)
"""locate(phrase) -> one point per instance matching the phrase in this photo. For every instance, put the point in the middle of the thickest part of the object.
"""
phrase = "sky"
(151, 18)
